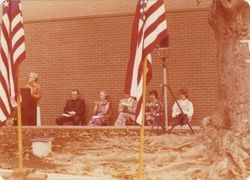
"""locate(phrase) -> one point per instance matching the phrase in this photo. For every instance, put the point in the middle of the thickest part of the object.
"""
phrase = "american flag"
(12, 53)
(149, 28)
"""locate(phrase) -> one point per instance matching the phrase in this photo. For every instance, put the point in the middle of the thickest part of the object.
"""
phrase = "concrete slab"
(54, 176)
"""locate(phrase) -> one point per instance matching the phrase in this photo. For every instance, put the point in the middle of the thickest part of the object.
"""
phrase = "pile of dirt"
(86, 152)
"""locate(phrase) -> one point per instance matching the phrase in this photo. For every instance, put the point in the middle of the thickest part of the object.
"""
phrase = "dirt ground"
(107, 152)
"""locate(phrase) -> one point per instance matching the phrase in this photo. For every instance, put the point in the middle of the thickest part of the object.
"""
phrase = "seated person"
(185, 105)
(127, 108)
(153, 109)
(73, 110)
(101, 110)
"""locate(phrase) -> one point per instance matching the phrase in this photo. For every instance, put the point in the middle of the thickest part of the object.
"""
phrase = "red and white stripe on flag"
(149, 28)
(12, 53)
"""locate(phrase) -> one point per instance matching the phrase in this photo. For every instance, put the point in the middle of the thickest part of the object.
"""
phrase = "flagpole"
(19, 122)
(143, 119)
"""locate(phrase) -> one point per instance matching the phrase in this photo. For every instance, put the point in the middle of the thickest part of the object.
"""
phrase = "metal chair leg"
(170, 130)
(152, 127)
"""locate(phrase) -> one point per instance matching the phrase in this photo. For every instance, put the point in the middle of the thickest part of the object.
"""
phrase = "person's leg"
(62, 119)
(92, 121)
(132, 117)
(123, 121)
(156, 121)
(95, 121)
(148, 120)
(76, 120)
(186, 121)
(104, 120)
(119, 120)
(125, 117)
(176, 122)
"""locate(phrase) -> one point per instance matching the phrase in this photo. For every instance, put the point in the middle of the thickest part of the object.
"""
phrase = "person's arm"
(158, 109)
(66, 107)
(96, 109)
(38, 92)
(175, 110)
(190, 110)
(106, 108)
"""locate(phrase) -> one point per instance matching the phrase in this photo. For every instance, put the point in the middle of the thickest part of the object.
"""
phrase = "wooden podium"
(28, 107)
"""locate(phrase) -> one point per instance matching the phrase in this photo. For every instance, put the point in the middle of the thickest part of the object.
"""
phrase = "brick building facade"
(84, 44)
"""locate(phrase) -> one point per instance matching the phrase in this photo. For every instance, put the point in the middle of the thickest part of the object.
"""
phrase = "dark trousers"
(75, 120)
(181, 120)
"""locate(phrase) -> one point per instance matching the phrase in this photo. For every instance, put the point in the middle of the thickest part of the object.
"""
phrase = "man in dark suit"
(73, 110)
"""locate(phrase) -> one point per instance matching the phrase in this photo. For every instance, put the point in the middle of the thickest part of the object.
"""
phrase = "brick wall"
(37, 10)
(91, 54)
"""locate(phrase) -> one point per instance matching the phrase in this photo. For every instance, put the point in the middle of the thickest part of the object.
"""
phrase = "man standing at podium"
(34, 87)
(33, 108)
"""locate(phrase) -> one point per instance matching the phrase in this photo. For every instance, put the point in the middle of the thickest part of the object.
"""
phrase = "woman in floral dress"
(153, 109)
(101, 110)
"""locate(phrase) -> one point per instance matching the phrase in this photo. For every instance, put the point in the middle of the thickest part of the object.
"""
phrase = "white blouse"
(186, 106)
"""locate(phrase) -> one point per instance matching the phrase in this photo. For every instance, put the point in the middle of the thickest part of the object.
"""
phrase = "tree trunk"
(230, 20)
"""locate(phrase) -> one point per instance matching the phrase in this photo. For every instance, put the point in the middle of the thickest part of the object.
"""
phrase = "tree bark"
(230, 20)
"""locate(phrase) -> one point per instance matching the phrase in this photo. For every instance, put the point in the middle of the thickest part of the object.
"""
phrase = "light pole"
(163, 54)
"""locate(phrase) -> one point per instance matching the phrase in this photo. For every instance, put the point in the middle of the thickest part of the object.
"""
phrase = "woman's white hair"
(104, 92)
